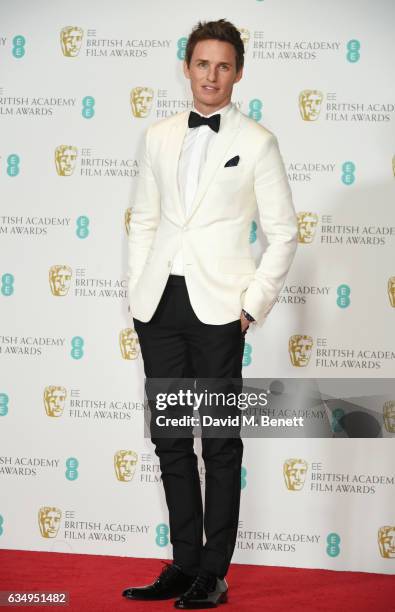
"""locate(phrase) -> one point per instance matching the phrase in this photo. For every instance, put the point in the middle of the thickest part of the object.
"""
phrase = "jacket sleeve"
(279, 224)
(145, 216)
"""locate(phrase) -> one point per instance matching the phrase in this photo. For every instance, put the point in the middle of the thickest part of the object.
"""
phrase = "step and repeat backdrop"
(79, 84)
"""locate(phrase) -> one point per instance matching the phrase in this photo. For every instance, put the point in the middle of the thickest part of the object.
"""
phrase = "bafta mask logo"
(245, 37)
(389, 416)
(295, 474)
(307, 223)
(391, 290)
(125, 462)
(310, 101)
(59, 279)
(70, 40)
(49, 521)
(129, 343)
(300, 348)
(54, 400)
(386, 539)
(128, 218)
(141, 101)
(65, 158)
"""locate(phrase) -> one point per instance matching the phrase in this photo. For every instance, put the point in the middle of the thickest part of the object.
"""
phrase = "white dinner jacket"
(220, 272)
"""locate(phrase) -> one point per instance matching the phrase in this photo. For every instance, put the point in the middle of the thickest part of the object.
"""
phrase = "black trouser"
(176, 344)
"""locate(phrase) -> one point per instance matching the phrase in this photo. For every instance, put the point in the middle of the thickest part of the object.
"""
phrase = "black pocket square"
(232, 162)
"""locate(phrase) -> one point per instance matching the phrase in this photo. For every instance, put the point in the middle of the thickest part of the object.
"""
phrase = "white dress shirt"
(195, 148)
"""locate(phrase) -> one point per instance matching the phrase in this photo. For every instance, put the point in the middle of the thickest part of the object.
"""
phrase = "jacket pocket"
(230, 174)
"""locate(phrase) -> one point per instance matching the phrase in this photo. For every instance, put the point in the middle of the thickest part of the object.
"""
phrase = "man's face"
(212, 73)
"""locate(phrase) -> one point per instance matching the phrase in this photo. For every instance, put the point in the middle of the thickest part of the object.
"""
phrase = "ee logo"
(353, 47)
(333, 541)
(348, 169)
(343, 296)
(7, 284)
(71, 472)
(13, 164)
(253, 230)
(77, 350)
(181, 46)
(162, 534)
(82, 230)
(247, 359)
(88, 107)
(18, 46)
(243, 481)
(255, 109)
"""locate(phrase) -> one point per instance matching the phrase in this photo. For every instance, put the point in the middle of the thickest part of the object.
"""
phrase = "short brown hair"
(219, 30)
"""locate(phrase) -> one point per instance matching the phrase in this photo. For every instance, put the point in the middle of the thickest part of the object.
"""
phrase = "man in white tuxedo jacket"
(213, 235)
(194, 289)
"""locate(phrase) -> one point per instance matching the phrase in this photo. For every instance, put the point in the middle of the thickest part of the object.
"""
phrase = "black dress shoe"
(205, 592)
(171, 582)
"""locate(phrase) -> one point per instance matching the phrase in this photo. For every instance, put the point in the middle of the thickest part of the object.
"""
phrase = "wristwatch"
(247, 315)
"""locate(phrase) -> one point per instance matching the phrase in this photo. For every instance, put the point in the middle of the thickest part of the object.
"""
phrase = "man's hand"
(244, 322)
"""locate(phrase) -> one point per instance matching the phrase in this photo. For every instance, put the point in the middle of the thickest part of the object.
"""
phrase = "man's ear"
(238, 75)
(186, 70)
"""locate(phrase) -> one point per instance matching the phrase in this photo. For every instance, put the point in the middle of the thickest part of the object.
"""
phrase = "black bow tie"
(195, 120)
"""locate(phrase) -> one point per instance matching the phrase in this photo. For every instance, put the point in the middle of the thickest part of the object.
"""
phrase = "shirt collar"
(221, 111)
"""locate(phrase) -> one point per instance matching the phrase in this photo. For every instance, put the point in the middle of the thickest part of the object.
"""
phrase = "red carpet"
(95, 584)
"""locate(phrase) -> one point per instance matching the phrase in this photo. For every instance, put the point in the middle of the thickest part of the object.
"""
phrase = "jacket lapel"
(176, 140)
(220, 144)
